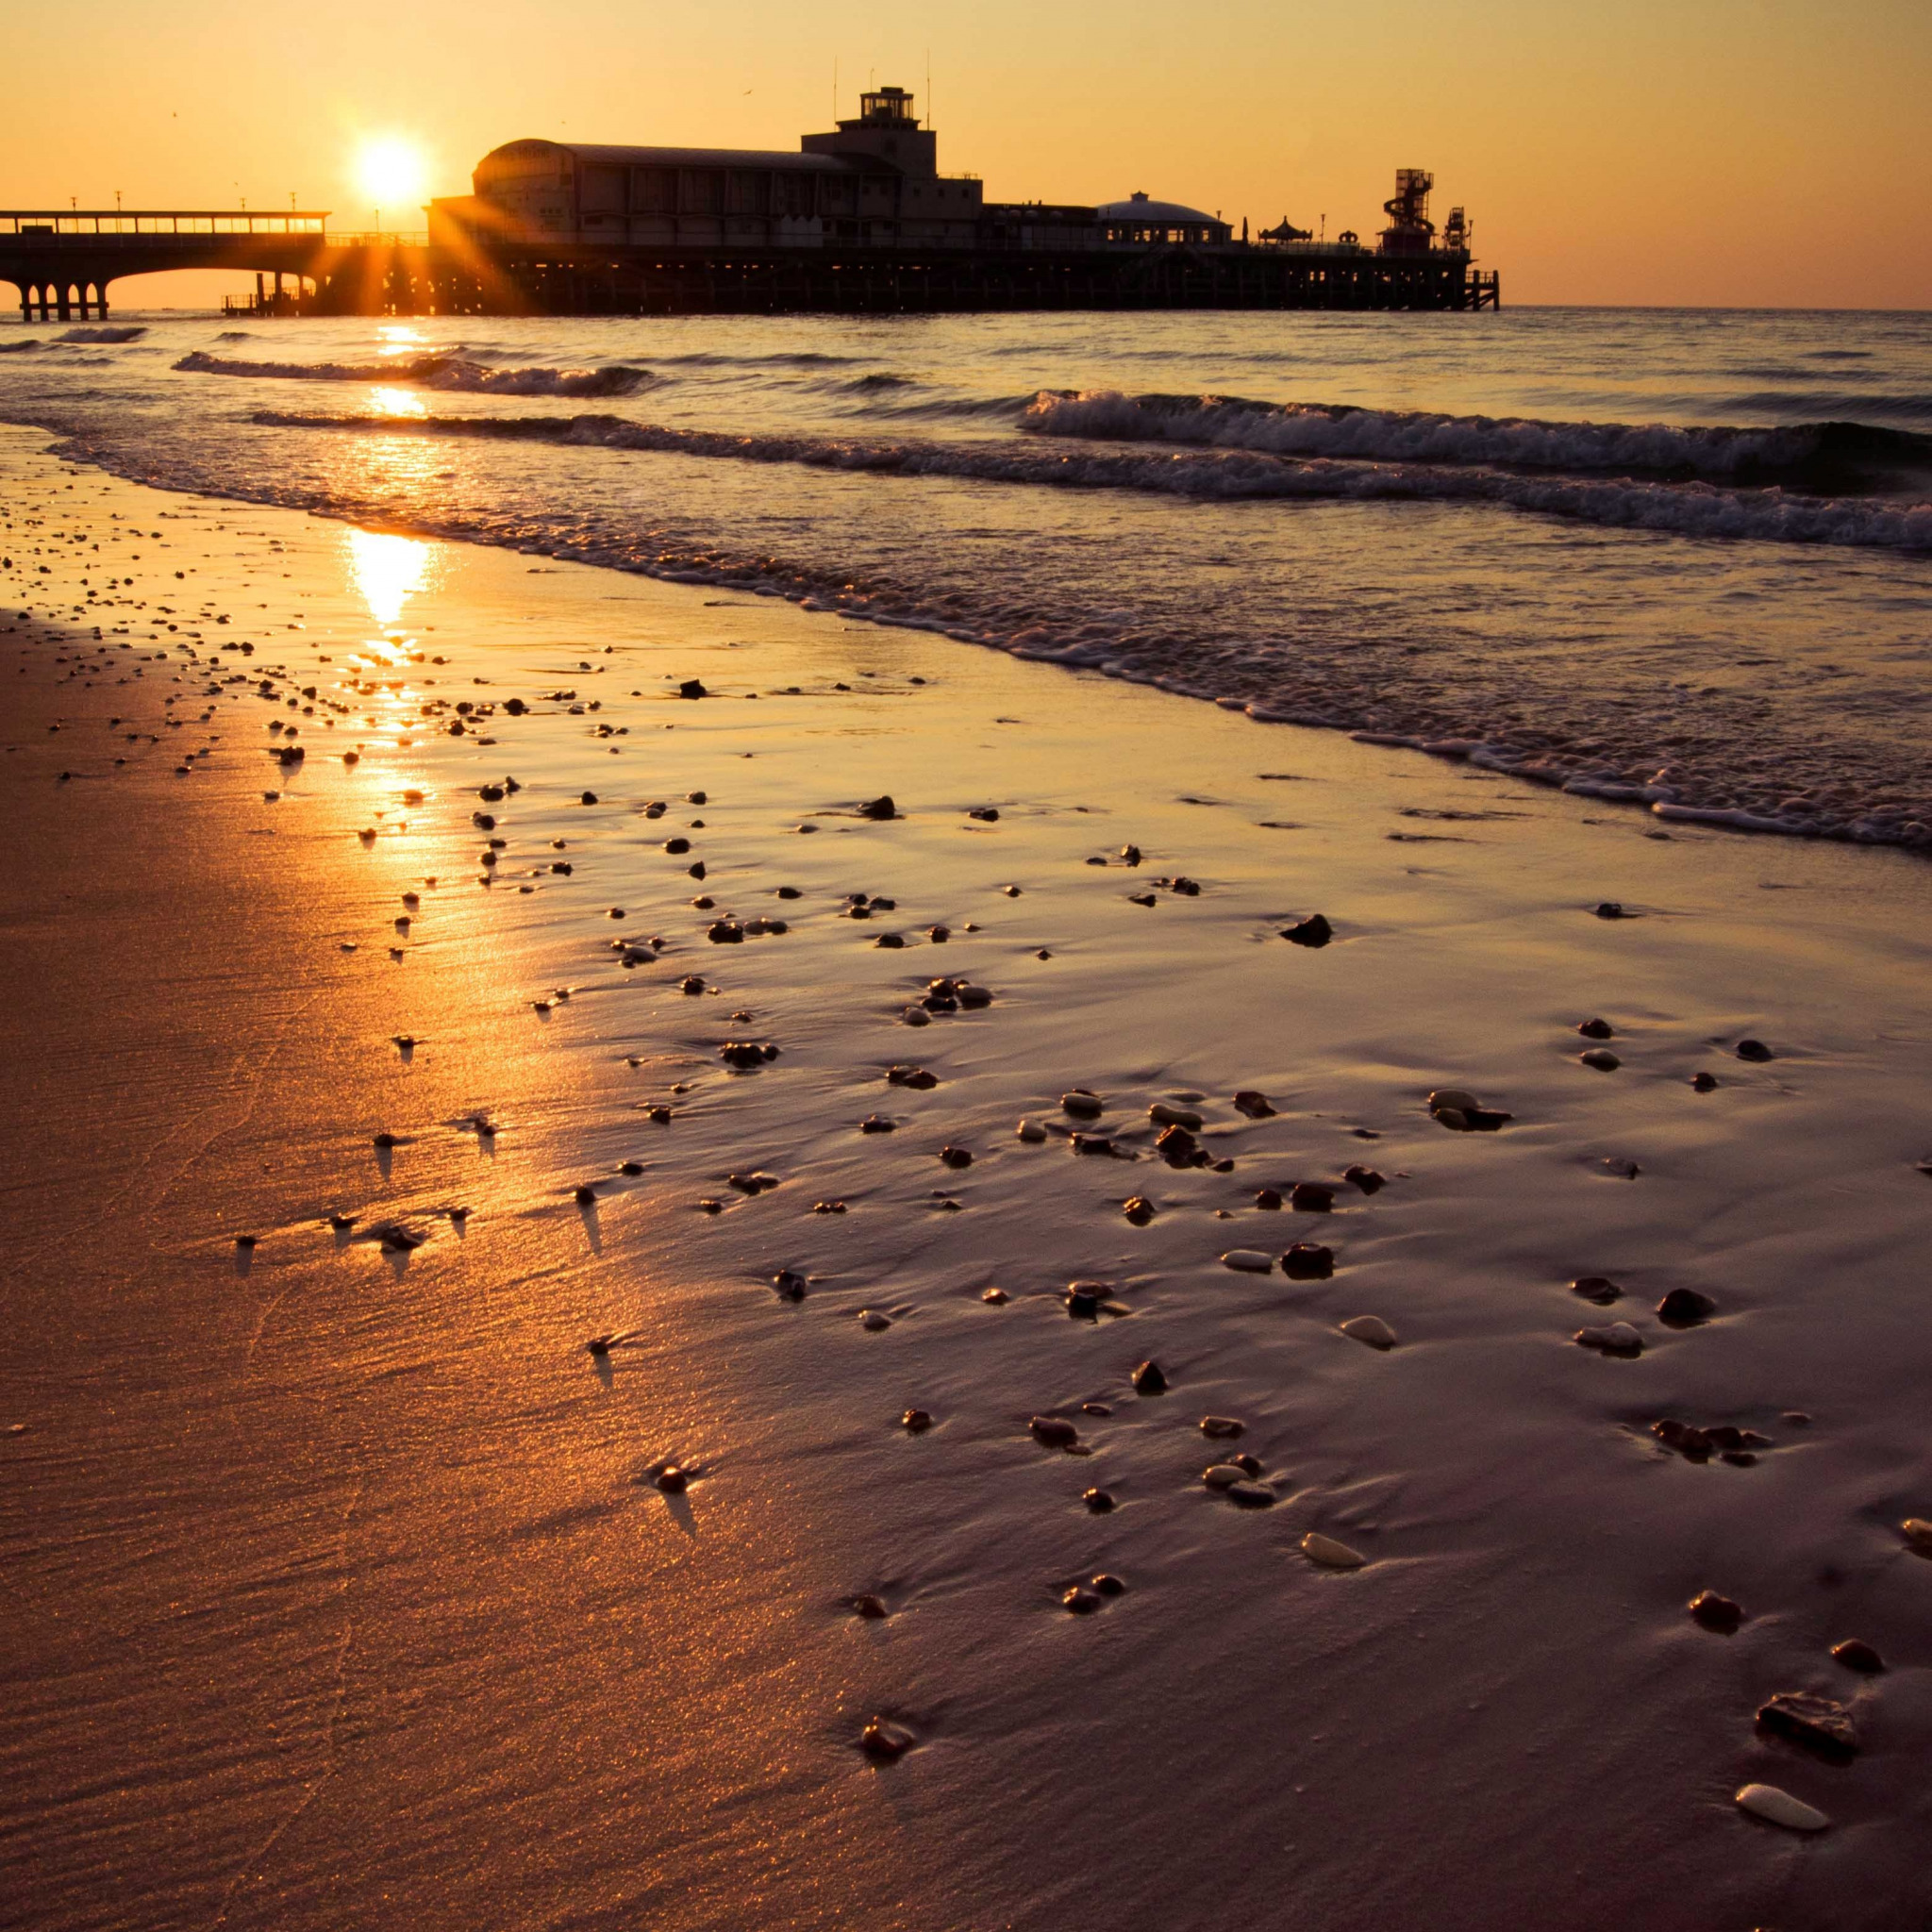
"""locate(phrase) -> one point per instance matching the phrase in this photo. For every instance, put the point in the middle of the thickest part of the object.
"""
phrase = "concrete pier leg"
(66, 302)
(100, 300)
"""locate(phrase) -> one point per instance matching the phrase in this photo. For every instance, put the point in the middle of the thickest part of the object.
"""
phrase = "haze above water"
(1679, 558)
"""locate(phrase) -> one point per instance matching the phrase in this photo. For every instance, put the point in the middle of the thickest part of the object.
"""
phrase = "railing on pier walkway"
(89, 226)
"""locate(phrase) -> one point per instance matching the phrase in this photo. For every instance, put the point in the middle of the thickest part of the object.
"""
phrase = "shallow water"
(1683, 557)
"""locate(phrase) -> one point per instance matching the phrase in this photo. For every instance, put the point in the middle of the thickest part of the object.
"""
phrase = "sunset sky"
(1732, 152)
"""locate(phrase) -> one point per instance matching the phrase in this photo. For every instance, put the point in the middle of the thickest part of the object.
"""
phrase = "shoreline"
(378, 1505)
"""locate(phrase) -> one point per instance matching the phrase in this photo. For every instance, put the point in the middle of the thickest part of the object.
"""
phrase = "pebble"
(1625, 1170)
(876, 1123)
(890, 943)
(693, 688)
(880, 807)
(1109, 1585)
(1098, 1500)
(1081, 1601)
(673, 1480)
(1253, 1104)
(1268, 1199)
(1602, 1058)
(1309, 1261)
(1618, 1339)
(1703, 1083)
(1329, 1554)
(1780, 1808)
(1163, 1115)
(1222, 1475)
(1221, 1427)
(386, 1139)
(1715, 1613)
(1054, 1432)
(1083, 1300)
(1610, 908)
(1754, 1050)
(1599, 1289)
(1312, 931)
(1684, 1307)
(1596, 1029)
(955, 1156)
(1149, 1379)
(917, 1421)
(885, 1740)
(1248, 1494)
(1095, 1409)
(1918, 1535)
(916, 1016)
(1370, 1329)
(1819, 1723)
(1248, 1262)
(867, 1606)
(1310, 1197)
(788, 1285)
(915, 1078)
(1366, 1178)
(996, 1298)
(872, 1321)
(1082, 1105)
(246, 1242)
(586, 1196)
(1855, 1655)
(1137, 1210)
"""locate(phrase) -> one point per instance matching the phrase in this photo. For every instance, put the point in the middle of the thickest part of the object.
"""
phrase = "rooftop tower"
(887, 131)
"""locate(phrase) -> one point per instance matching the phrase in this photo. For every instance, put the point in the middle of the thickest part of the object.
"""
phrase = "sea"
(1677, 559)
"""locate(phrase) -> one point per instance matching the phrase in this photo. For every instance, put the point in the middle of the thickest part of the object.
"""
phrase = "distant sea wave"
(451, 374)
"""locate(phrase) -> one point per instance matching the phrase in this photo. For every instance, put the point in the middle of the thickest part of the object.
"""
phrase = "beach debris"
(1255, 1104)
(1684, 1307)
(1370, 1330)
(916, 1421)
(878, 1124)
(995, 1297)
(880, 808)
(1248, 1262)
(1610, 908)
(693, 688)
(1268, 1199)
(885, 1740)
(1616, 1339)
(1458, 1108)
(1699, 1445)
(1082, 1105)
(1754, 1050)
(1918, 1535)
(1249, 1494)
(1715, 1613)
(1109, 1585)
(673, 1480)
(788, 1285)
(1309, 1261)
(1625, 1170)
(1220, 1428)
(1163, 1114)
(1311, 1197)
(1777, 1806)
(1312, 931)
(1149, 1379)
(1601, 1059)
(1081, 1601)
(917, 1079)
(1857, 1654)
(1054, 1432)
(1596, 1029)
(1083, 1299)
(1820, 1724)
(1139, 1210)
(1364, 1179)
(1330, 1555)
(867, 1606)
(1099, 1502)
(1703, 1083)
(1223, 1475)
(956, 1156)
(1599, 1289)
(873, 1321)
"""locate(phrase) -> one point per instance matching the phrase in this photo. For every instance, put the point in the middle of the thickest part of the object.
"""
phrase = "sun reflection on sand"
(385, 571)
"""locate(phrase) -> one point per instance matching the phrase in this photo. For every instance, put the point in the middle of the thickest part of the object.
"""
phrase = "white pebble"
(1248, 1260)
(1780, 1808)
(1331, 1555)
(1618, 1337)
(1223, 1475)
(1371, 1329)
(1031, 1132)
(1457, 1097)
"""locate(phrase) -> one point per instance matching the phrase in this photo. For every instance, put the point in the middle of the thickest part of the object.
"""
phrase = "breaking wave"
(132, 333)
(451, 374)
(1829, 455)
(1683, 509)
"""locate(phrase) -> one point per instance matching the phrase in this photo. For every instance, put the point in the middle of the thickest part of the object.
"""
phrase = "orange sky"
(1738, 152)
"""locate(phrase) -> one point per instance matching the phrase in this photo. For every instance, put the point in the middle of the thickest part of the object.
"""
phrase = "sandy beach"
(349, 1586)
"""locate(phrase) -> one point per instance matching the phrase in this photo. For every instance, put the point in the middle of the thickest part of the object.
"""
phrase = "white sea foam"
(451, 374)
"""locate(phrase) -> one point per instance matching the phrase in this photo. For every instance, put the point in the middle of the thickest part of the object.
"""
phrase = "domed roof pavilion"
(1143, 220)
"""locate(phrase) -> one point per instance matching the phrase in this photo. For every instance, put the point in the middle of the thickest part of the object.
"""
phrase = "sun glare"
(391, 171)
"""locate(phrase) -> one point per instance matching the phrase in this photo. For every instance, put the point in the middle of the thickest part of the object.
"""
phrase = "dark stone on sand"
(867, 1606)
(916, 1420)
(1098, 1500)
(1148, 1379)
(1082, 1105)
(588, 798)
(987, 814)
(1312, 931)
(1599, 1289)
(1054, 1432)
(1818, 1723)
(1253, 1104)
(1177, 1147)
(915, 1078)
(696, 798)
(1365, 1178)
(515, 706)
(1083, 1300)
(1610, 908)
(1687, 1439)
(1141, 899)
(246, 1242)
(386, 1140)
(1221, 1427)
(1311, 1197)
(1754, 1051)
(631, 1168)
(956, 1156)
(1081, 1601)
(1250, 1494)
(1130, 855)
(725, 932)
(1109, 1585)
(938, 935)
(692, 983)
(1091, 1143)
(693, 688)
(1596, 1029)
(1268, 1199)
(876, 1123)
(890, 941)
(789, 1284)
(673, 1480)
(1139, 1210)
(586, 1196)
(676, 846)
(741, 1053)
(880, 807)
(1855, 1655)
(787, 893)
(1715, 1613)
(1307, 1261)
(1684, 1307)
(885, 1740)
(1601, 1060)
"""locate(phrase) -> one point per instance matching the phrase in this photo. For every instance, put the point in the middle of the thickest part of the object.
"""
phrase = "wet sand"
(346, 1587)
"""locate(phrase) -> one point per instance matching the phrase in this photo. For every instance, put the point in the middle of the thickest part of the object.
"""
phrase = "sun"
(391, 171)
